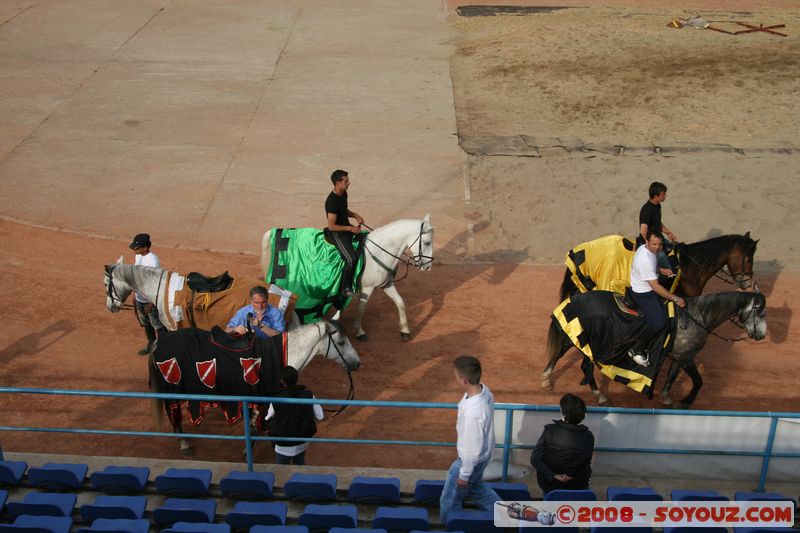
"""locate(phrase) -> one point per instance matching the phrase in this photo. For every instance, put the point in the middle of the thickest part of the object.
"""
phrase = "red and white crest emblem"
(170, 370)
(207, 372)
(251, 367)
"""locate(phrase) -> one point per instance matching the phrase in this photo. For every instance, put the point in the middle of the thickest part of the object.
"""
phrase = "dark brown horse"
(700, 261)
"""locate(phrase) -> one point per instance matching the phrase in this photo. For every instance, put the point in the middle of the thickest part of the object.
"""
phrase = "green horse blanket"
(303, 262)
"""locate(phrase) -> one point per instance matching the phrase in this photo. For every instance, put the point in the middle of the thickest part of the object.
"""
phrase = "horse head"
(423, 256)
(117, 291)
(740, 261)
(339, 347)
(753, 316)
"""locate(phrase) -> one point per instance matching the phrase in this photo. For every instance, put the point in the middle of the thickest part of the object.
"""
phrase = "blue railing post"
(248, 441)
(507, 443)
(773, 426)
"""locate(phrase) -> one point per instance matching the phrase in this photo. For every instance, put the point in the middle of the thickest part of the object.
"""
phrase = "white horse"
(324, 338)
(384, 248)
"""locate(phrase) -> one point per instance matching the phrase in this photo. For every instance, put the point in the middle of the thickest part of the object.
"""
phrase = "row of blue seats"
(190, 483)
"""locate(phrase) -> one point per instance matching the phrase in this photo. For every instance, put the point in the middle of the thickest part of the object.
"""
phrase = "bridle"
(111, 292)
(738, 279)
(348, 370)
(418, 260)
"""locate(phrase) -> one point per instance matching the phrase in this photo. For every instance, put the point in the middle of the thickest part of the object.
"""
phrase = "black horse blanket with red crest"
(211, 363)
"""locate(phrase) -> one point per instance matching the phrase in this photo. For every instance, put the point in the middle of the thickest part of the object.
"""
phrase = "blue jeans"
(453, 496)
(299, 459)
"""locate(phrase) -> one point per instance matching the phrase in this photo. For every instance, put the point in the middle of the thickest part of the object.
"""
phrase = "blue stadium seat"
(638, 494)
(327, 516)
(248, 485)
(104, 506)
(279, 529)
(428, 491)
(558, 495)
(184, 510)
(121, 479)
(184, 482)
(355, 530)
(511, 491)
(3, 498)
(11, 472)
(38, 524)
(470, 521)
(194, 527)
(679, 495)
(401, 518)
(248, 514)
(762, 497)
(58, 476)
(43, 504)
(118, 525)
(374, 490)
(311, 487)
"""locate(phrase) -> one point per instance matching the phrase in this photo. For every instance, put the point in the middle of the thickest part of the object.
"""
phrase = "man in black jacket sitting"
(563, 455)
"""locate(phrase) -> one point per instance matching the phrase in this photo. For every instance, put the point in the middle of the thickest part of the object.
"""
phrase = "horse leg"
(588, 378)
(363, 298)
(674, 368)
(391, 292)
(697, 382)
(557, 345)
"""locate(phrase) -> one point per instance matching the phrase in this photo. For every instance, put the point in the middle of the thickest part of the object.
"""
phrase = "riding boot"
(346, 288)
(151, 339)
(639, 352)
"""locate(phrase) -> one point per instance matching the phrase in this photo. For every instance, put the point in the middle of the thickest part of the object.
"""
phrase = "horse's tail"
(554, 349)
(156, 405)
(265, 249)
(567, 286)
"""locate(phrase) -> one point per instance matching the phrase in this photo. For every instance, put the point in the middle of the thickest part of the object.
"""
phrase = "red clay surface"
(58, 334)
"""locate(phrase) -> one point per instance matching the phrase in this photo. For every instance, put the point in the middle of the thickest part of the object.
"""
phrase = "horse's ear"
(747, 235)
(755, 288)
(427, 218)
(120, 260)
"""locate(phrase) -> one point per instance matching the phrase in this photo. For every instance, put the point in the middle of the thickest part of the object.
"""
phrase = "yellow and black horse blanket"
(605, 264)
(604, 329)
(195, 361)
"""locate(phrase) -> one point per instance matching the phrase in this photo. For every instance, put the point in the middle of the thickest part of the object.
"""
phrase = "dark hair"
(289, 376)
(573, 409)
(656, 188)
(258, 289)
(469, 368)
(338, 175)
(654, 232)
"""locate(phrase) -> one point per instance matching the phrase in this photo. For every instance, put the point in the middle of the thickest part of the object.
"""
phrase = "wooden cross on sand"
(761, 27)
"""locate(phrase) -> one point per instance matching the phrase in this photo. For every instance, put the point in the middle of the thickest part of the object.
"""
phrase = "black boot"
(346, 288)
(639, 352)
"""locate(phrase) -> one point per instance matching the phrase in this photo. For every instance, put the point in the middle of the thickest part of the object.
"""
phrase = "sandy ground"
(613, 74)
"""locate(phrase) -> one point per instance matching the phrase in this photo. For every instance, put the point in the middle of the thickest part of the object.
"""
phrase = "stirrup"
(641, 359)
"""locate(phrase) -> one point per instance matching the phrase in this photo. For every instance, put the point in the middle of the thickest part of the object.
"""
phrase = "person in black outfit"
(340, 229)
(563, 455)
(650, 218)
(292, 420)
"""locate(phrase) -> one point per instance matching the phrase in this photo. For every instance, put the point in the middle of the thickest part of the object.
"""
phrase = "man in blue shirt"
(265, 320)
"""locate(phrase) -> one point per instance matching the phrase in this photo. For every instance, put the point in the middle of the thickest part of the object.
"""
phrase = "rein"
(111, 292)
(406, 258)
(352, 392)
(735, 279)
(730, 319)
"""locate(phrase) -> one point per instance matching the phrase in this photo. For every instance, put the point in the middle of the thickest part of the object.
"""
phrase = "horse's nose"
(354, 365)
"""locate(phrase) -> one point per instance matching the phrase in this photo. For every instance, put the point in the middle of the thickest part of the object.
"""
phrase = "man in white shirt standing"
(475, 428)
(145, 310)
(645, 291)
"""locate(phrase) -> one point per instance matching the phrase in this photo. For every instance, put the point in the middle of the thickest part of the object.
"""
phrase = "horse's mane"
(716, 307)
(707, 252)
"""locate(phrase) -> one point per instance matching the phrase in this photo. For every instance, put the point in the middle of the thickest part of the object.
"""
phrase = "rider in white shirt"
(146, 310)
(645, 291)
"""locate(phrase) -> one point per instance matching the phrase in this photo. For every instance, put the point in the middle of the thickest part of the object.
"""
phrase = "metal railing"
(507, 446)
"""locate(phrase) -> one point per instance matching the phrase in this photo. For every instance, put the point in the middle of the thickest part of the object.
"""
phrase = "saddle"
(626, 304)
(201, 283)
(218, 336)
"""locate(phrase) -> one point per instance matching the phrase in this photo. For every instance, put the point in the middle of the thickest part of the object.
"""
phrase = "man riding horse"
(340, 230)
(650, 219)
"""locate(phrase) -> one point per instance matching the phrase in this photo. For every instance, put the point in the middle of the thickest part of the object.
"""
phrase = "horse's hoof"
(362, 338)
(547, 385)
(682, 405)
(602, 400)
(666, 402)
(405, 336)
(186, 451)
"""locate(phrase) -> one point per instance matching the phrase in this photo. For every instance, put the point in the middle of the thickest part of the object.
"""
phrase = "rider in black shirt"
(650, 217)
(341, 230)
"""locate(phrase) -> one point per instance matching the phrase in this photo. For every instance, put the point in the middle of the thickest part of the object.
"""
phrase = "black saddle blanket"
(195, 361)
(604, 332)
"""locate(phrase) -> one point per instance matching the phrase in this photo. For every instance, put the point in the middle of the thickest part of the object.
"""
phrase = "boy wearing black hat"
(146, 311)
